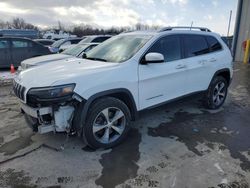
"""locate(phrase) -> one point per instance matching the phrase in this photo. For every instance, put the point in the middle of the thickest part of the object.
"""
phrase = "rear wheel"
(107, 124)
(217, 92)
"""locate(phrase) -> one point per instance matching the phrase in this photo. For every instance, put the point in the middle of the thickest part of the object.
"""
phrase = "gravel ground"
(174, 146)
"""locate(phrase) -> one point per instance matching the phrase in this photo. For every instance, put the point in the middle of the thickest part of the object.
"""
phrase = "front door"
(160, 82)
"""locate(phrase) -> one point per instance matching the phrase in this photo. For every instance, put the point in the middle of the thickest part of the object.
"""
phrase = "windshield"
(57, 43)
(75, 50)
(118, 49)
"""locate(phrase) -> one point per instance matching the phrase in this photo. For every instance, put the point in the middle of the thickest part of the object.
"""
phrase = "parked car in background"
(55, 47)
(45, 42)
(13, 50)
(28, 33)
(57, 34)
(72, 52)
(95, 38)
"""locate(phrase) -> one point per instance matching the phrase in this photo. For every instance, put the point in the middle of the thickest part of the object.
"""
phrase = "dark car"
(45, 42)
(13, 50)
(55, 47)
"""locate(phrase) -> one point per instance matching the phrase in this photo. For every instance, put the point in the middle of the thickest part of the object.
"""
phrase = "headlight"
(52, 92)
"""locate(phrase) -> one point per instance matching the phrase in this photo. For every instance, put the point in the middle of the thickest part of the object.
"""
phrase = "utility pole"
(229, 23)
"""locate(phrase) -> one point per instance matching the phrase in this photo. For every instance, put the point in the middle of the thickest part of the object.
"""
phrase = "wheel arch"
(122, 94)
(224, 73)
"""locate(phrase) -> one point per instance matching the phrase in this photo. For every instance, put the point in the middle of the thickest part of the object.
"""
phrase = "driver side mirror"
(153, 57)
(84, 55)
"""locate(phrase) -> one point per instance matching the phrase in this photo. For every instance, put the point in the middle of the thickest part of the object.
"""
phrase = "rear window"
(213, 43)
(195, 45)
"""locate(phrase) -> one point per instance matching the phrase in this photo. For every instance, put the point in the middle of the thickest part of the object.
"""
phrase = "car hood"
(62, 72)
(44, 59)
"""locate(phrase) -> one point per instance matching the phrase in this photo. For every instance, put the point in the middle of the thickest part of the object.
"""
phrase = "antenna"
(191, 25)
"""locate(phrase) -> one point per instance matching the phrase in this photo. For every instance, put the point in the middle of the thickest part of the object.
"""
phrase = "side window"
(4, 44)
(20, 44)
(213, 43)
(195, 45)
(169, 47)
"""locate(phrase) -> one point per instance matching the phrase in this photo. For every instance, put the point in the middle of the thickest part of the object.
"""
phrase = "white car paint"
(42, 60)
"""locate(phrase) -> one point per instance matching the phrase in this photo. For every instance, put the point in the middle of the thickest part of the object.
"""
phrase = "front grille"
(18, 90)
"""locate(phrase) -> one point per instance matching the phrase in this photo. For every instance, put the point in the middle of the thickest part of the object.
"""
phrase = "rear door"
(20, 50)
(196, 52)
(5, 57)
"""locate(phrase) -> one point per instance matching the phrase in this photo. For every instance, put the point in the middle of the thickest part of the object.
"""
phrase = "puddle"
(120, 165)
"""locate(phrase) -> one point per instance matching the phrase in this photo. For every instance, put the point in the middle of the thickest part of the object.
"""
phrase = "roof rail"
(185, 27)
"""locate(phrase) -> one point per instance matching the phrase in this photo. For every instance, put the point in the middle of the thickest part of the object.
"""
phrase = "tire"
(32, 122)
(101, 121)
(216, 93)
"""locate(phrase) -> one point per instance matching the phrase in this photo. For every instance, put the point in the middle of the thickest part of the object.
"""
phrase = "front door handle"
(212, 60)
(180, 66)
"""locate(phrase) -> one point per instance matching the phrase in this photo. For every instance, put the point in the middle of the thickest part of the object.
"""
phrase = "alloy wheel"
(219, 93)
(109, 125)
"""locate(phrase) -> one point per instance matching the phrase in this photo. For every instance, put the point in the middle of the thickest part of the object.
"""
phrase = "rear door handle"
(212, 60)
(180, 66)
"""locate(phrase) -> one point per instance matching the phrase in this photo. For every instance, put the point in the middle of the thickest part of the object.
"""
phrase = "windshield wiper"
(95, 59)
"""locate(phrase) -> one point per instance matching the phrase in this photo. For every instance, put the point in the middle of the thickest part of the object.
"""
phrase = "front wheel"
(107, 124)
(216, 93)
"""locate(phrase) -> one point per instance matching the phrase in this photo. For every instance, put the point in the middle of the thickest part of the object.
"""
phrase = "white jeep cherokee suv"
(97, 96)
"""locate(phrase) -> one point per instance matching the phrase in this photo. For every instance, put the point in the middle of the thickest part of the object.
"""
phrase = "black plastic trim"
(220, 71)
(87, 103)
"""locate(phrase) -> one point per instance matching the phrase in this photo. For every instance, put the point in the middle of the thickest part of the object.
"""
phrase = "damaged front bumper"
(50, 119)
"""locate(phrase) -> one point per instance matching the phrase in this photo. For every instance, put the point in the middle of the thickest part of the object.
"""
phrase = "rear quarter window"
(213, 43)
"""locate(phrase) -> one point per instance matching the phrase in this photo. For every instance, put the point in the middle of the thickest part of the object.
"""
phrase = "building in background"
(242, 29)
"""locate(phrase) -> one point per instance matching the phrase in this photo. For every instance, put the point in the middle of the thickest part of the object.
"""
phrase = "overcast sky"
(213, 14)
